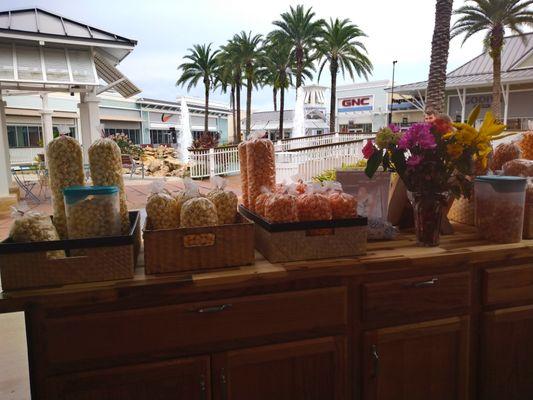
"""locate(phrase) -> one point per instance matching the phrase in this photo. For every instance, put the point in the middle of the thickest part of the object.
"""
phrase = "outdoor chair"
(25, 185)
(131, 165)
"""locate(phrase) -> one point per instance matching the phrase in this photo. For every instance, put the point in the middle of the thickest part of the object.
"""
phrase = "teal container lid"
(504, 183)
(73, 194)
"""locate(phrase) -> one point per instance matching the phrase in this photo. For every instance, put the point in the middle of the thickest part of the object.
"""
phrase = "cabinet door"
(305, 370)
(507, 354)
(184, 379)
(421, 361)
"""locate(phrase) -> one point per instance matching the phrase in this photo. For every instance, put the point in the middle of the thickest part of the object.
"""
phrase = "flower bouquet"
(435, 160)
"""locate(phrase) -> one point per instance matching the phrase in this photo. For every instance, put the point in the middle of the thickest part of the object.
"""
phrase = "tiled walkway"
(137, 191)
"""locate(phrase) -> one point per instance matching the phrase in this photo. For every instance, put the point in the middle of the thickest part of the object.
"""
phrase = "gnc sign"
(357, 103)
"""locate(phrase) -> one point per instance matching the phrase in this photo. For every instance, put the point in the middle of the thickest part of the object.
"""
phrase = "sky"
(165, 29)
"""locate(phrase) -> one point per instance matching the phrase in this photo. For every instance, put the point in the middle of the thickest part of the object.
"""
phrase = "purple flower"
(394, 128)
(418, 135)
(414, 160)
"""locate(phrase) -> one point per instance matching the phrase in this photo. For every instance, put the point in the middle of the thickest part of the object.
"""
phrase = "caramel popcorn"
(34, 227)
(65, 168)
(502, 153)
(243, 161)
(261, 170)
(281, 207)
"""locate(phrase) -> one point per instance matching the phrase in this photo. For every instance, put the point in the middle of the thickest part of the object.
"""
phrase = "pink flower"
(418, 135)
(368, 150)
(394, 128)
(414, 161)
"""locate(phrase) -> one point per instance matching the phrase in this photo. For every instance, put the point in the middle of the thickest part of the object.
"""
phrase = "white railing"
(219, 161)
(24, 155)
(319, 140)
(307, 163)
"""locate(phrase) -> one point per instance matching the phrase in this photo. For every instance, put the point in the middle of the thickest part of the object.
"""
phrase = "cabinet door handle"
(214, 309)
(375, 361)
(223, 384)
(430, 282)
(203, 388)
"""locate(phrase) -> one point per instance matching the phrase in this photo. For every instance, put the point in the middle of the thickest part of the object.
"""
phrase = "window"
(56, 65)
(29, 63)
(159, 136)
(81, 65)
(24, 136)
(133, 134)
(6, 62)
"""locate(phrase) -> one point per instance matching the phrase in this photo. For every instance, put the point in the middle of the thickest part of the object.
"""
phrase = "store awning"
(114, 78)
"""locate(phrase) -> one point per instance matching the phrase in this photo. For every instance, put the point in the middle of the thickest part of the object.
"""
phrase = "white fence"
(319, 140)
(307, 163)
(219, 161)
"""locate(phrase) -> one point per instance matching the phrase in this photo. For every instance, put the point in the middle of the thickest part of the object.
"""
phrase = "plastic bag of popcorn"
(261, 200)
(190, 191)
(92, 211)
(243, 161)
(198, 211)
(161, 208)
(65, 168)
(105, 161)
(225, 201)
(520, 167)
(261, 168)
(343, 205)
(313, 205)
(32, 226)
(502, 153)
(281, 207)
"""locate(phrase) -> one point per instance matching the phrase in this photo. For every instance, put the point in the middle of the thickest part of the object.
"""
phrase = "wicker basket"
(193, 249)
(26, 265)
(463, 211)
(309, 240)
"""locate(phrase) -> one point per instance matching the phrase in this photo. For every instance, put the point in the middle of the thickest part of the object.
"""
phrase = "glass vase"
(427, 210)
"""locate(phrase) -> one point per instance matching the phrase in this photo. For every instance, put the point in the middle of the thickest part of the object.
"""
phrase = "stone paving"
(137, 191)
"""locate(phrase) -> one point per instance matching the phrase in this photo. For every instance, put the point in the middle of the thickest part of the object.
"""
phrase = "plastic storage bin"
(500, 207)
(92, 211)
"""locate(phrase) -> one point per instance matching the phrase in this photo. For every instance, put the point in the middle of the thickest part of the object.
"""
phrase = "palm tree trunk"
(232, 94)
(496, 44)
(439, 57)
(248, 105)
(206, 109)
(299, 66)
(281, 110)
(238, 123)
(275, 98)
(333, 67)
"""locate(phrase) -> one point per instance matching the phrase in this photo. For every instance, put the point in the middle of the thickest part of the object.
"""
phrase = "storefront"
(471, 85)
(362, 107)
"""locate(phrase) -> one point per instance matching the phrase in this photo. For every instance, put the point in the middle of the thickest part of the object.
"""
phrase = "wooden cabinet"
(184, 379)
(305, 370)
(421, 361)
(506, 367)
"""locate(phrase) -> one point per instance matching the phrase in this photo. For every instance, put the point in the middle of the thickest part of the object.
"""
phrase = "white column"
(463, 104)
(5, 165)
(89, 120)
(505, 103)
(46, 119)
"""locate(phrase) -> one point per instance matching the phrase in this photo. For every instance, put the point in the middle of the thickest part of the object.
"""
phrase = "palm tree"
(251, 55)
(299, 26)
(277, 66)
(229, 57)
(201, 66)
(439, 57)
(493, 17)
(340, 47)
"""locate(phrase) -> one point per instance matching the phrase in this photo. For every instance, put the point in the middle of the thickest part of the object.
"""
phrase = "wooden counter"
(401, 322)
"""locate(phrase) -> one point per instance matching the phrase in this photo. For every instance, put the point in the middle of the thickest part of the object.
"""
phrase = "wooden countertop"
(462, 249)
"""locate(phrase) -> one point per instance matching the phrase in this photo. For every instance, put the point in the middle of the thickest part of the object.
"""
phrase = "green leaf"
(398, 159)
(386, 161)
(473, 115)
(373, 163)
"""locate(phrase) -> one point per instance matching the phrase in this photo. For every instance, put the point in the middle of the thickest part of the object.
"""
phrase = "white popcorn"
(198, 212)
(225, 202)
(106, 170)
(94, 216)
(65, 167)
(162, 209)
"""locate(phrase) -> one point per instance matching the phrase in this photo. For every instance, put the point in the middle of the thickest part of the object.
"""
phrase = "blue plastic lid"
(73, 194)
(504, 183)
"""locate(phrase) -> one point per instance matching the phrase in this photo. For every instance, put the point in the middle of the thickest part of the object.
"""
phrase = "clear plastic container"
(92, 211)
(500, 207)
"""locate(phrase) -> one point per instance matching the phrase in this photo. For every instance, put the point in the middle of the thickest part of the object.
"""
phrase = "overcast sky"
(165, 29)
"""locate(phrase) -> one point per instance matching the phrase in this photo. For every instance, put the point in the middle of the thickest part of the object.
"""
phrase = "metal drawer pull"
(223, 384)
(431, 282)
(214, 309)
(203, 388)
(375, 358)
